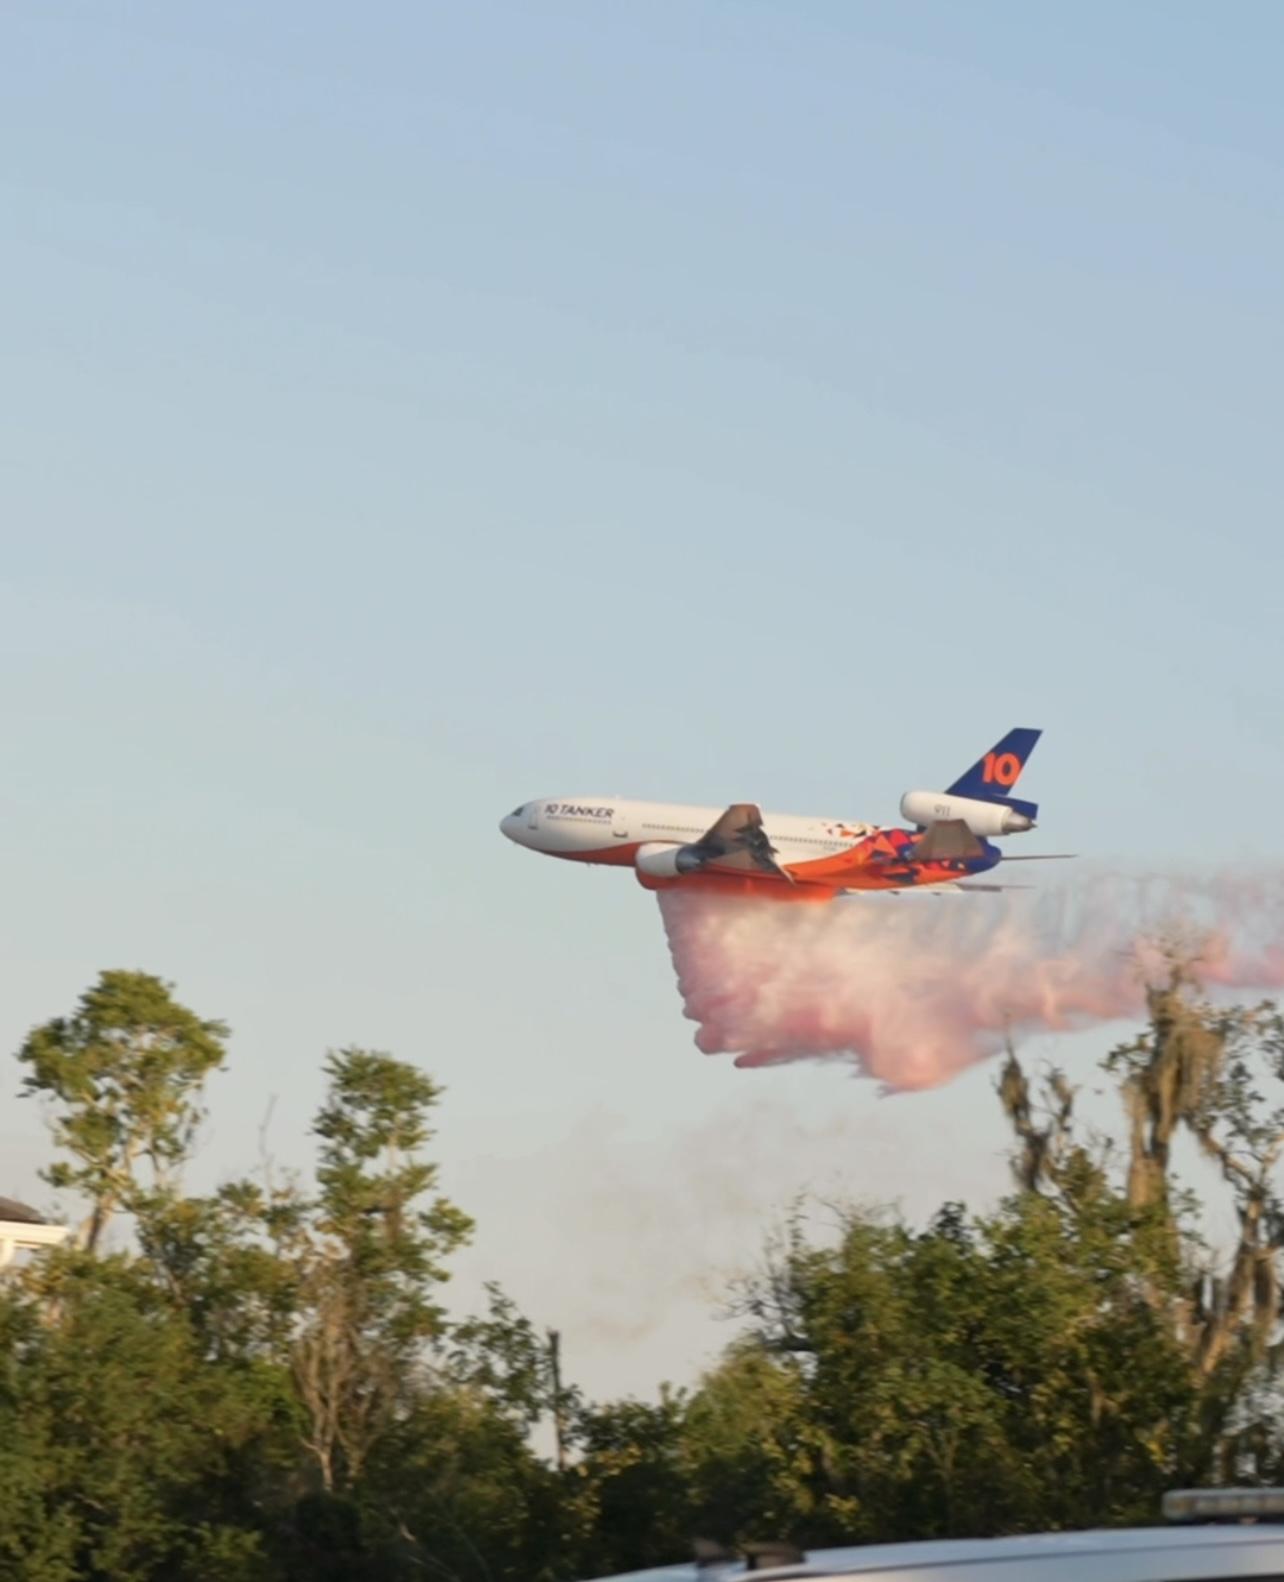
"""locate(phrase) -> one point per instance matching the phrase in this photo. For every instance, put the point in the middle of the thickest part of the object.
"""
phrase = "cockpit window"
(518, 811)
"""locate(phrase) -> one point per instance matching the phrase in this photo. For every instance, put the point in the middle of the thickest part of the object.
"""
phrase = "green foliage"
(125, 1074)
(635, 1480)
(455, 1489)
(372, 1125)
(502, 1355)
(132, 1442)
(979, 1376)
(750, 1447)
(367, 1259)
(267, 1386)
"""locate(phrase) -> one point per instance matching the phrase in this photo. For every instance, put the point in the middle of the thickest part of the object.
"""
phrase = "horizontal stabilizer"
(950, 838)
(1042, 856)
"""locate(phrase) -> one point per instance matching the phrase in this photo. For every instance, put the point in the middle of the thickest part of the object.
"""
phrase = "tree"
(983, 1375)
(118, 1443)
(369, 1259)
(1205, 1072)
(751, 1446)
(124, 1074)
(265, 1384)
(635, 1482)
(503, 1355)
(454, 1489)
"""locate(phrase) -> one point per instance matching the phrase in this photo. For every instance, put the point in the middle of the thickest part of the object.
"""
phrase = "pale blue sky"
(410, 409)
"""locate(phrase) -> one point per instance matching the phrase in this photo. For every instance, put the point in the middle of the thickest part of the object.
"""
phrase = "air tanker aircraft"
(781, 856)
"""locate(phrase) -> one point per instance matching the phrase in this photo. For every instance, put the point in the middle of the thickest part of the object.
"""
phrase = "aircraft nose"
(518, 824)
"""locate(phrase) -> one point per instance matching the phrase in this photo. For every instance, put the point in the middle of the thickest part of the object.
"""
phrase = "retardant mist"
(912, 989)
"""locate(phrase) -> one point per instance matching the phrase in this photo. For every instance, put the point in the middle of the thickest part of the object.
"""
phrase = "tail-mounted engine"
(997, 816)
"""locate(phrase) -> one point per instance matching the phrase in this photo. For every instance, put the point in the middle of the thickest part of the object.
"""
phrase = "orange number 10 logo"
(1001, 769)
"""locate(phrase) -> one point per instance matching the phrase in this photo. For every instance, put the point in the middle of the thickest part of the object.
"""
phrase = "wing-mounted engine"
(989, 817)
(659, 861)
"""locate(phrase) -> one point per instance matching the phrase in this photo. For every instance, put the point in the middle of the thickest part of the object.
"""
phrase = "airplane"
(785, 857)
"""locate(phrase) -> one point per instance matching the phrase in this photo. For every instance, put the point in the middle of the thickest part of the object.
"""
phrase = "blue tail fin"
(991, 778)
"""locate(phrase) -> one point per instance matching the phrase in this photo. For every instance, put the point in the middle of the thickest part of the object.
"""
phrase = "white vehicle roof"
(1145, 1554)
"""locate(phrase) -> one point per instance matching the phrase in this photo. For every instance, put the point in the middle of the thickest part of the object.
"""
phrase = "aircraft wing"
(737, 842)
(950, 838)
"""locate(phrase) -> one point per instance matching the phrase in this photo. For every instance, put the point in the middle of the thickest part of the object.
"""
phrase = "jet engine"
(982, 818)
(660, 861)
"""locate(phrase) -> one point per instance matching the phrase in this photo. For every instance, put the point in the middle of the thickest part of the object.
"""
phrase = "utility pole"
(555, 1369)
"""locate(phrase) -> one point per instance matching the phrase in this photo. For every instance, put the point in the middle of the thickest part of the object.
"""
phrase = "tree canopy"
(265, 1382)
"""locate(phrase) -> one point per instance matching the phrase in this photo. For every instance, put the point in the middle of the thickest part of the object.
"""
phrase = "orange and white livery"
(740, 849)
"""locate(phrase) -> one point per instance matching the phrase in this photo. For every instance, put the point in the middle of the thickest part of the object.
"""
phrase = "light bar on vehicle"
(1224, 1505)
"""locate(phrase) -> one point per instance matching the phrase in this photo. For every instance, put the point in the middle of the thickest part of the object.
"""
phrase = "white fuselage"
(610, 829)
